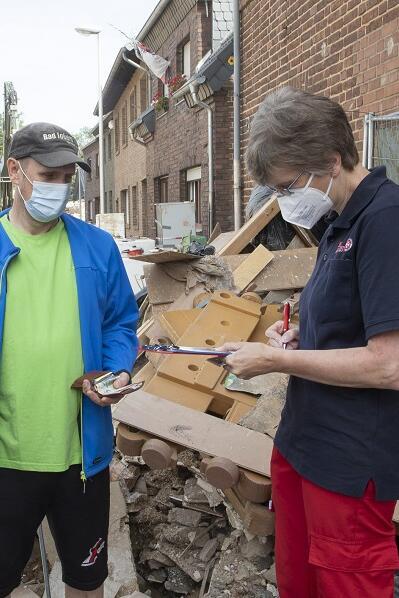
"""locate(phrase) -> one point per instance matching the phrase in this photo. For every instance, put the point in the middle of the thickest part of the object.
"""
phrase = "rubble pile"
(185, 542)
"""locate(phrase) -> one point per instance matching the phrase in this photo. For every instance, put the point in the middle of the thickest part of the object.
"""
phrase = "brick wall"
(181, 133)
(346, 49)
(130, 161)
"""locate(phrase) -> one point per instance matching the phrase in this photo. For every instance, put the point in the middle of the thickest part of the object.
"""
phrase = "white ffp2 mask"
(305, 206)
(48, 200)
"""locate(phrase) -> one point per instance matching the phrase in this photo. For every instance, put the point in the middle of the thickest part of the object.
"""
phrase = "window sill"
(160, 115)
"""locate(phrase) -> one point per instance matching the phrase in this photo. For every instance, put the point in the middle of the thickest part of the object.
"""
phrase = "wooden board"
(251, 228)
(161, 288)
(222, 240)
(197, 431)
(215, 233)
(175, 323)
(251, 267)
(289, 269)
(225, 318)
(164, 257)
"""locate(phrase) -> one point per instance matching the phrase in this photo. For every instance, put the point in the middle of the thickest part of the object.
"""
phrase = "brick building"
(126, 95)
(346, 49)
(162, 155)
(91, 154)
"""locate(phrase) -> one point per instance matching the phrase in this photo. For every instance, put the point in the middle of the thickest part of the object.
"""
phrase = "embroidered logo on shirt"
(344, 247)
(94, 551)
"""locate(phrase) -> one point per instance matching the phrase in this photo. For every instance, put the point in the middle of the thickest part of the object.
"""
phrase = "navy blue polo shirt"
(340, 438)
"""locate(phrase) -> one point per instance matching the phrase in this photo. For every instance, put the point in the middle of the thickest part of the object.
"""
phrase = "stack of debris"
(186, 538)
(200, 440)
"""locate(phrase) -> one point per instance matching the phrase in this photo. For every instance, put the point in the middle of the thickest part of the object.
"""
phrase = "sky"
(53, 68)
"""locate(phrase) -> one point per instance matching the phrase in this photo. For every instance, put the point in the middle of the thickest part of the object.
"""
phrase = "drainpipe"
(365, 139)
(236, 126)
(370, 140)
(198, 102)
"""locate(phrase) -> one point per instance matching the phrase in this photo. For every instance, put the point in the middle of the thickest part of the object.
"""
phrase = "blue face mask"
(48, 200)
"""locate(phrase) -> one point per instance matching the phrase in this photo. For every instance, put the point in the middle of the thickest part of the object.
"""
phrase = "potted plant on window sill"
(160, 102)
(176, 82)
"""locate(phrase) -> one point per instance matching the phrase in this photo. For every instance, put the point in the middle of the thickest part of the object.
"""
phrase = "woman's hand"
(277, 339)
(250, 359)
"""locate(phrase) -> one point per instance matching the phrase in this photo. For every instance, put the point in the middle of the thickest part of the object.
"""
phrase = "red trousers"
(329, 545)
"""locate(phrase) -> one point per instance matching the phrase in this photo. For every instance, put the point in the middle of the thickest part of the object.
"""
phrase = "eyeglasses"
(284, 191)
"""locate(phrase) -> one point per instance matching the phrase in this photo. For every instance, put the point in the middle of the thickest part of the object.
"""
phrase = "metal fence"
(381, 143)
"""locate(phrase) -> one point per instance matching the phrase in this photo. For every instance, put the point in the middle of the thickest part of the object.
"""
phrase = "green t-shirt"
(41, 355)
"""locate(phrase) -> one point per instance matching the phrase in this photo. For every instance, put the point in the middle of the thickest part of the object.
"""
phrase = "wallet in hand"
(103, 384)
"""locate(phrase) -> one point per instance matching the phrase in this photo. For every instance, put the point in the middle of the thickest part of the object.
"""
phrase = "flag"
(157, 65)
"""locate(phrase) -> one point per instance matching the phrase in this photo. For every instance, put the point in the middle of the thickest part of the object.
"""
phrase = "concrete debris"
(178, 582)
(270, 574)
(265, 416)
(213, 497)
(233, 517)
(193, 493)
(184, 517)
(120, 470)
(209, 550)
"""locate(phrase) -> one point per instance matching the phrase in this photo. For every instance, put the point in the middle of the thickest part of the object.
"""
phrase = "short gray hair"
(296, 129)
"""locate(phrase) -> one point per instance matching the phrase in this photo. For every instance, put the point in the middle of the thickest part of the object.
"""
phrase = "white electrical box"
(174, 221)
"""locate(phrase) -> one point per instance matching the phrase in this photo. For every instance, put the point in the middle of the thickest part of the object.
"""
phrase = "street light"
(87, 31)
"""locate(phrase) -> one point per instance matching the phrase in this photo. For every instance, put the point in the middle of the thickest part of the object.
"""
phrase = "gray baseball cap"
(48, 144)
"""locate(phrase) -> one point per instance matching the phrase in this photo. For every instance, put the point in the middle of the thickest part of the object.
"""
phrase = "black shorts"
(78, 521)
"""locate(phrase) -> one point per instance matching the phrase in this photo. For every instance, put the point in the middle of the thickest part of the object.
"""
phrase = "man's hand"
(122, 380)
(277, 339)
(250, 359)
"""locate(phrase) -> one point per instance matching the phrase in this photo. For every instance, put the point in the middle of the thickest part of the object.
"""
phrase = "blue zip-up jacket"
(108, 318)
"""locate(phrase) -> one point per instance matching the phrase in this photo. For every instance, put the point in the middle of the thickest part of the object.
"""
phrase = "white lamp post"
(87, 32)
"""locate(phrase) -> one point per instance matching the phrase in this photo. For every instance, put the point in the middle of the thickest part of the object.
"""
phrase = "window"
(105, 203)
(111, 207)
(109, 143)
(89, 174)
(133, 106)
(125, 205)
(193, 181)
(186, 59)
(96, 207)
(144, 93)
(135, 208)
(97, 167)
(163, 189)
(117, 135)
(124, 125)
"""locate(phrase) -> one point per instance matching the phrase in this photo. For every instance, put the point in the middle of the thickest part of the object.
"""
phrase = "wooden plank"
(142, 331)
(164, 257)
(289, 269)
(197, 431)
(251, 228)
(222, 240)
(226, 317)
(215, 233)
(175, 323)
(251, 267)
(297, 243)
(269, 317)
(161, 288)
(306, 236)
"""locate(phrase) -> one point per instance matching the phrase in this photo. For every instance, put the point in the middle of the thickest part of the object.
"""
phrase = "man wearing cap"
(66, 308)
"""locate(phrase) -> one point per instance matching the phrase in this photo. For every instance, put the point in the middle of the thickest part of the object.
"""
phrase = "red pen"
(286, 318)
